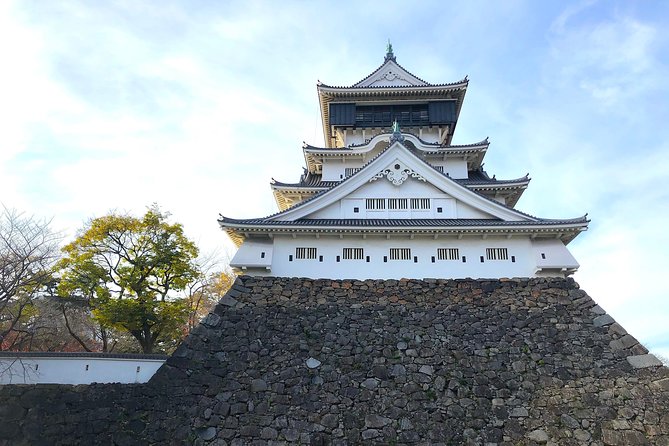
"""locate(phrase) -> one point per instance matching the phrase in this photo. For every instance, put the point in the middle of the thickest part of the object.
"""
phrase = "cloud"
(612, 60)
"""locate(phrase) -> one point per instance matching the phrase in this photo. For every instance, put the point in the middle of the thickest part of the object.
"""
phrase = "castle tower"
(389, 196)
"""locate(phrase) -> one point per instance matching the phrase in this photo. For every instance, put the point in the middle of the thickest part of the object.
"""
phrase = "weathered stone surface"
(258, 385)
(603, 320)
(376, 421)
(644, 361)
(504, 362)
(206, 433)
(539, 436)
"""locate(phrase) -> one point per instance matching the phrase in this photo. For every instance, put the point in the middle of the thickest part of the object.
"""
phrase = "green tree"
(131, 272)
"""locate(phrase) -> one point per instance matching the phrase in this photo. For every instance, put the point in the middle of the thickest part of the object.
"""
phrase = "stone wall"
(284, 361)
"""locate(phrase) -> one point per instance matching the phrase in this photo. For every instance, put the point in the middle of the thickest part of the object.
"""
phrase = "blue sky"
(195, 105)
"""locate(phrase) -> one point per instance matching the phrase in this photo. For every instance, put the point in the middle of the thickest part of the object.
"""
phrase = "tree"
(130, 271)
(28, 250)
(205, 293)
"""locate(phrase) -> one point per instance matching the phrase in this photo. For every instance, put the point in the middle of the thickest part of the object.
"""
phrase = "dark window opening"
(513, 259)
(415, 259)
(320, 258)
(433, 259)
(385, 258)
(543, 255)
(482, 259)
(338, 258)
(464, 259)
(262, 255)
(439, 210)
(384, 115)
(356, 210)
(290, 257)
(367, 259)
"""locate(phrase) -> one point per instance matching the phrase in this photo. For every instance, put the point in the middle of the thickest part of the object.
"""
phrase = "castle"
(389, 196)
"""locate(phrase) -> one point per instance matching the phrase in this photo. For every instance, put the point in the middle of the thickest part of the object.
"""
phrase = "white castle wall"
(522, 261)
(360, 136)
(59, 369)
(334, 169)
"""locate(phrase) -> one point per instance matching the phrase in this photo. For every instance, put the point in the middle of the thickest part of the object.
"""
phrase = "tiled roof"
(397, 222)
(439, 147)
(11, 354)
(476, 178)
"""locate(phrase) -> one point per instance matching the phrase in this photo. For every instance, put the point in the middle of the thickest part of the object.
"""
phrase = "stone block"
(601, 321)
(644, 361)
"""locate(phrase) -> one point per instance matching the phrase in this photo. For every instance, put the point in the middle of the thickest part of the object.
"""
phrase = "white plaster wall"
(376, 247)
(455, 168)
(334, 168)
(253, 253)
(552, 253)
(361, 136)
(76, 370)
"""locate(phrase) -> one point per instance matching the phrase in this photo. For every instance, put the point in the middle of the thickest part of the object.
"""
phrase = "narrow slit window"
(375, 204)
(305, 253)
(420, 204)
(398, 203)
(448, 253)
(353, 254)
(400, 253)
(497, 253)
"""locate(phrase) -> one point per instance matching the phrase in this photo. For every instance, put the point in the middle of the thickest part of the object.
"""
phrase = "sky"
(196, 105)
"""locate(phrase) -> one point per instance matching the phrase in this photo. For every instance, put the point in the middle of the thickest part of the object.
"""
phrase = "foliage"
(129, 271)
(27, 251)
(205, 293)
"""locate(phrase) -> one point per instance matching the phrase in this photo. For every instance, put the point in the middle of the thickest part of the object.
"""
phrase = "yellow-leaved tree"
(131, 271)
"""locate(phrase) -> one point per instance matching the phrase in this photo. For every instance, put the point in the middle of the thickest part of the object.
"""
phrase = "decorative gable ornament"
(397, 174)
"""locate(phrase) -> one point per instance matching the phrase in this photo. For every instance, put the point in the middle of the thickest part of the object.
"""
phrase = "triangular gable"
(391, 74)
(383, 168)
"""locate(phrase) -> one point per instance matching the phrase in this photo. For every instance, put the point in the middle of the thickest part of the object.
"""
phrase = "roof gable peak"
(391, 74)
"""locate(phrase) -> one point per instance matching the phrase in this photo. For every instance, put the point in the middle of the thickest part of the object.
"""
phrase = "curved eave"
(337, 90)
(282, 195)
(565, 231)
(472, 153)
